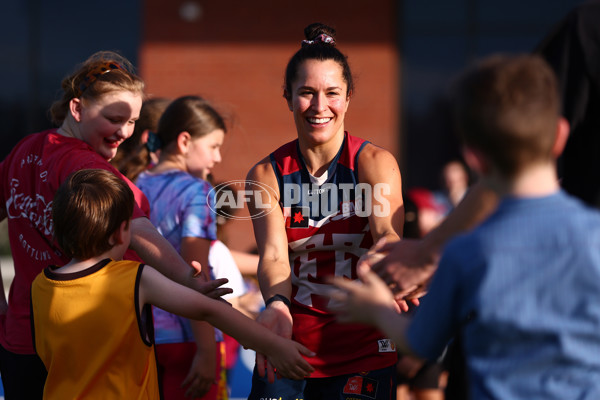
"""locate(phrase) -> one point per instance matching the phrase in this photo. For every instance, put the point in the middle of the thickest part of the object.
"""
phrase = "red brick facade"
(235, 54)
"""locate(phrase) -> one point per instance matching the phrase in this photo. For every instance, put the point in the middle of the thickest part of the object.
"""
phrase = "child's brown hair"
(88, 208)
(507, 107)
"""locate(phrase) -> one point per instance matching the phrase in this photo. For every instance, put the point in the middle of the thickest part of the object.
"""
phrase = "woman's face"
(104, 123)
(319, 101)
(204, 152)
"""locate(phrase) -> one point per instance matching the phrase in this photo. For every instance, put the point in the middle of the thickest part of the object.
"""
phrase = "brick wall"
(235, 55)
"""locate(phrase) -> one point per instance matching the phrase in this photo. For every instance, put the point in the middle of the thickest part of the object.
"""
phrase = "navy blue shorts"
(373, 385)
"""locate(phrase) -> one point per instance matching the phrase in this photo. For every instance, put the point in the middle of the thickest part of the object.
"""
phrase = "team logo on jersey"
(299, 217)
(386, 346)
(361, 385)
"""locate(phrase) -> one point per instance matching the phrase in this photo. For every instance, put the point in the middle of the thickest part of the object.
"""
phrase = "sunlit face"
(319, 101)
(204, 153)
(106, 122)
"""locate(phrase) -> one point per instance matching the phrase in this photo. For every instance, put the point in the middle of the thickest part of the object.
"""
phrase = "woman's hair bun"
(312, 31)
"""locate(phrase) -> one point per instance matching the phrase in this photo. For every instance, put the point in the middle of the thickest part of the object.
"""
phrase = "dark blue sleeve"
(436, 320)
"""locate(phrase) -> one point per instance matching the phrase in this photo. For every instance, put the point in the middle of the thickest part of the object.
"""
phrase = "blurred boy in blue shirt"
(522, 290)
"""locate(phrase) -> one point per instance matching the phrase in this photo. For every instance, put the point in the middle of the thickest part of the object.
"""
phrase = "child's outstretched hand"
(285, 357)
(374, 257)
(361, 300)
(210, 288)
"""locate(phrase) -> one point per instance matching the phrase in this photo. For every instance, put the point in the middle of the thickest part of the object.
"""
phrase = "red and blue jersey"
(327, 230)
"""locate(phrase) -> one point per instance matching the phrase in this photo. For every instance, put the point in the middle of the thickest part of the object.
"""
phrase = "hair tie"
(322, 38)
(153, 144)
(91, 76)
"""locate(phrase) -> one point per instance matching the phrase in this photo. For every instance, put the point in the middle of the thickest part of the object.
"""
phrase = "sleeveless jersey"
(327, 231)
(90, 335)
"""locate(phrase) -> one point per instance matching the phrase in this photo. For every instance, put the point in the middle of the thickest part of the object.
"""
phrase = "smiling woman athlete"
(335, 195)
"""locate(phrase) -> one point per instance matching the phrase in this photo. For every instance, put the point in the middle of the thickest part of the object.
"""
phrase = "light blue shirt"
(523, 291)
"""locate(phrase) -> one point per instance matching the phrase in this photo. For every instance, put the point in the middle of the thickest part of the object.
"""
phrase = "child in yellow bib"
(92, 323)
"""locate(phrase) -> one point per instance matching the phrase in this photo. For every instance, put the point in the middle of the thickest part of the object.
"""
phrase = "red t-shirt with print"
(30, 175)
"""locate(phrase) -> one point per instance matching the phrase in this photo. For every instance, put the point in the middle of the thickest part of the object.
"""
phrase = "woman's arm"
(274, 273)
(196, 249)
(155, 250)
(379, 169)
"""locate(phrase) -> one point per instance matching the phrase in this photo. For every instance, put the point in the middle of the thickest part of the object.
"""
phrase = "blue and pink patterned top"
(180, 206)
